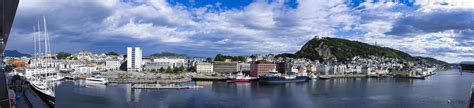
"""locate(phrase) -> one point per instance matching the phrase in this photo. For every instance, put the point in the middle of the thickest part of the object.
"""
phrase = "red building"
(259, 69)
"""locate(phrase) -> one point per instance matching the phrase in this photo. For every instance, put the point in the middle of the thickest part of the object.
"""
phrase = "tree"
(62, 55)
(283, 55)
(219, 57)
(209, 59)
(238, 58)
(168, 70)
(111, 53)
(162, 69)
(181, 68)
(175, 70)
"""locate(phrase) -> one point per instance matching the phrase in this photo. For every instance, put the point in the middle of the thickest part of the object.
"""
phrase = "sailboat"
(42, 73)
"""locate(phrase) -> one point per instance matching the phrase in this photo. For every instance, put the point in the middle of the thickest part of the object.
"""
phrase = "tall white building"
(134, 59)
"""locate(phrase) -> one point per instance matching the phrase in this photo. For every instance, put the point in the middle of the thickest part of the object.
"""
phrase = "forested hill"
(343, 49)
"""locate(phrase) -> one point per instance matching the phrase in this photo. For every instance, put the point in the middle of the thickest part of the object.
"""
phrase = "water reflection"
(333, 93)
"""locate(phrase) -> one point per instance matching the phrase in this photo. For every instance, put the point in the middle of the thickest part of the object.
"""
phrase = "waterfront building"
(283, 67)
(146, 60)
(225, 67)
(338, 70)
(85, 69)
(311, 68)
(299, 68)
(101, 66)
(367, 70)
(157, 65)
(353, 69)
(172, 62)
(112, 65)
(294, 68)
(379, 71)
(204, 68)
(134, 59)
(261, 68)
(191, 63)
(244, 67)
(324, 69)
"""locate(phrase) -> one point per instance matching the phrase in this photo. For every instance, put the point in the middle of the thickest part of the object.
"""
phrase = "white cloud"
(260, 27)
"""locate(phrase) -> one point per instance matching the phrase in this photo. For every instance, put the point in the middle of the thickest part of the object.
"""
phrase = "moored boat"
(324, 77)
(278, 78)
(240, 77)
(43, 91)
(96, 80)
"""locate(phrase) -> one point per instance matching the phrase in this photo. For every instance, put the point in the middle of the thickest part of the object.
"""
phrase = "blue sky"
(442, 29)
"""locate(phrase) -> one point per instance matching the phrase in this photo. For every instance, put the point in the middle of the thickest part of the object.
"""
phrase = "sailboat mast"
(39, 40)
(34, 38)
(45, 39)
(46, 53)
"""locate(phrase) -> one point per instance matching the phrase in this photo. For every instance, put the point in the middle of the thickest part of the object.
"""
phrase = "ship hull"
(50, 100)
(240, 80)
(283, 79)
(96, 82)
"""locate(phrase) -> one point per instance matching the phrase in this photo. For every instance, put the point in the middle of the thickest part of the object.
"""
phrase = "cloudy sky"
(442, 29)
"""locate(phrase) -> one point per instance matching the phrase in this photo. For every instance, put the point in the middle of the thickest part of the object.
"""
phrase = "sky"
(443, 29)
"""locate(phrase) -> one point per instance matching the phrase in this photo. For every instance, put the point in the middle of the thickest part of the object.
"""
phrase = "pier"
(342, 76)
(158, 86)
(208, 78)
(146, 81)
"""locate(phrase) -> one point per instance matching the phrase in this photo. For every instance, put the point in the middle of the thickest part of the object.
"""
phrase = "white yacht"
(96, 80)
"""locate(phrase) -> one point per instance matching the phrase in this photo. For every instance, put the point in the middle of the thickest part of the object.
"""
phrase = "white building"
(244, 67)
(134, 59)
(324, 69)
(85, 69)
(112, 65)
(173, 62)
(368, 70)
(204, 68)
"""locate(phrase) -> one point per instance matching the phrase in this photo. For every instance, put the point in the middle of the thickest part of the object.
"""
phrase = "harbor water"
(446, 89)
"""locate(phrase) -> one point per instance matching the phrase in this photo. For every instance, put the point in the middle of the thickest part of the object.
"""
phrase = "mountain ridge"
(15, 53)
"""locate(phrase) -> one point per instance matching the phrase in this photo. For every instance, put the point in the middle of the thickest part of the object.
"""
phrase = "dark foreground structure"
(467, 66)
(7, 14)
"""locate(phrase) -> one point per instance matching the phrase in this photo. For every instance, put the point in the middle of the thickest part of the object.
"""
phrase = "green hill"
(431, 61)
(343, 49)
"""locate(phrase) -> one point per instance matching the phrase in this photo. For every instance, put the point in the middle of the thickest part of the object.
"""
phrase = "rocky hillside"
(343, 49)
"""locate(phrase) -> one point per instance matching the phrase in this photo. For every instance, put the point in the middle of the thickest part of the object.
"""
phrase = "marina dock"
(158, 86)
(146, 81)
(341, 76)
(208, 78)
